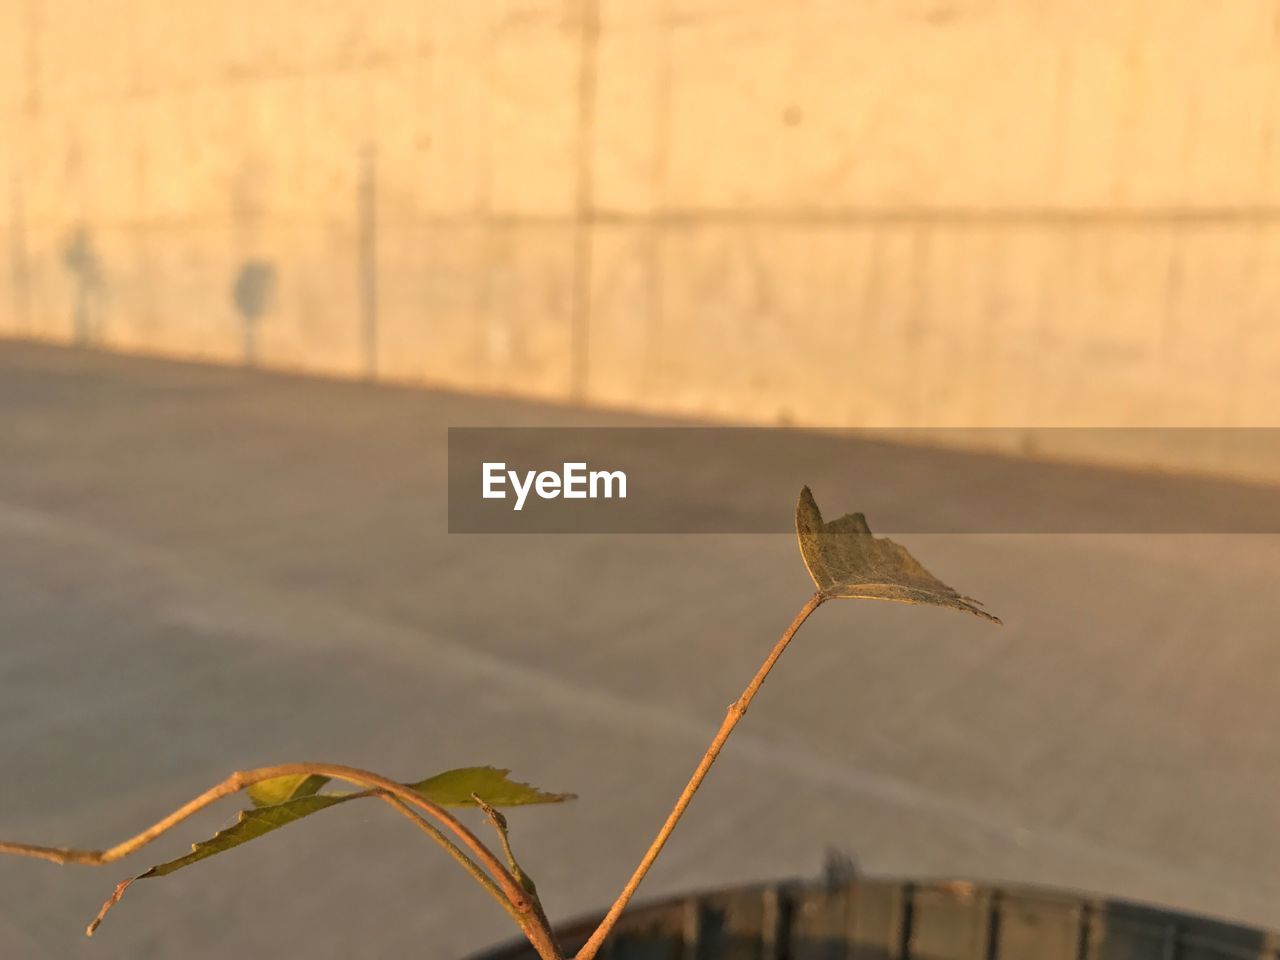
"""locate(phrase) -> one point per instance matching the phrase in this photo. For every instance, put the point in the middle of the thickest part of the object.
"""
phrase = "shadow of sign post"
(80, 258)
(252, 293)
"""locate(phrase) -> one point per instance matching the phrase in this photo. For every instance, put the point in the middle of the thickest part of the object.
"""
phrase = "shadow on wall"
(80, 258)
(253, 292)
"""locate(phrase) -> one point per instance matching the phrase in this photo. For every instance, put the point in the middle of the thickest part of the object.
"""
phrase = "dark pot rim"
(857, 918)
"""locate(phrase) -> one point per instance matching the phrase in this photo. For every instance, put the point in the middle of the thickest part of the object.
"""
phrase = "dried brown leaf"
(847, 562)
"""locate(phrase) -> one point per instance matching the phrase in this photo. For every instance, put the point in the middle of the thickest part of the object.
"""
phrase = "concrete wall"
(888, 212)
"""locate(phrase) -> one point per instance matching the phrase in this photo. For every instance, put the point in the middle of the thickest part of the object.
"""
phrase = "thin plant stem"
(536, 928)
(499, 824)
(434, 832)
(247, 778)
(737, 710)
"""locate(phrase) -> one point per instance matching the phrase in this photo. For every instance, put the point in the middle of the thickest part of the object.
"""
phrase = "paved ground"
(203, 569)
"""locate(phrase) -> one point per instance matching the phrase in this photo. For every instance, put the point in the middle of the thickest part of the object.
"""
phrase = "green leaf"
(270, 792)
(249, 825)
(459, 788)
(300, 798)
(847, 562)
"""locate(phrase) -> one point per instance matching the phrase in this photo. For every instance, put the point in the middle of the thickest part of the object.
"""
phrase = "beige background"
(883, 213)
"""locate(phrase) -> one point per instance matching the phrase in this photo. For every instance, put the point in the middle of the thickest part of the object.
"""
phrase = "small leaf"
(249, 825)
(847, 562)
(281, 789)
(465, 787)
(460, 788)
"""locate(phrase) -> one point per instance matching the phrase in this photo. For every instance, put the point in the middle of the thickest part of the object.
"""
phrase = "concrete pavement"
(203, 569)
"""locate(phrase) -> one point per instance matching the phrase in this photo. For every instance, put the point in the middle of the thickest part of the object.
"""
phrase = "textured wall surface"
(897, 212)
